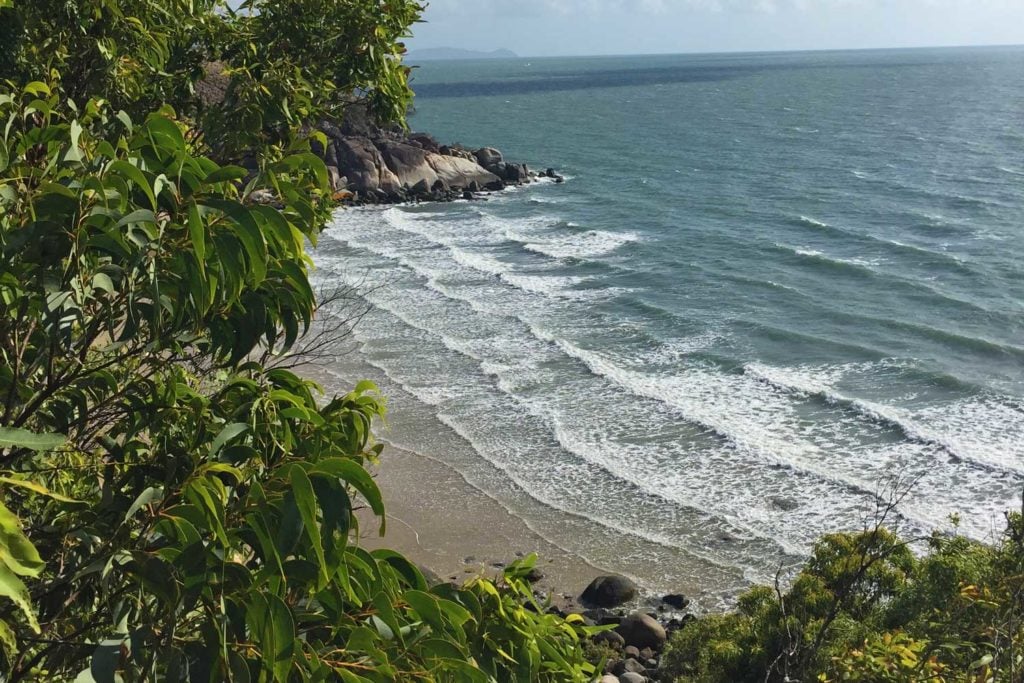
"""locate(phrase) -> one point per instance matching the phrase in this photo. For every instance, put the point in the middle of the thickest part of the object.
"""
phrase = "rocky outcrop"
(362, 164)
(371, 164)
(459, 172)
(408, 163)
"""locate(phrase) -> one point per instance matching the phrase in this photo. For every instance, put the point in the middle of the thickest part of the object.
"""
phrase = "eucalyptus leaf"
(22, 438)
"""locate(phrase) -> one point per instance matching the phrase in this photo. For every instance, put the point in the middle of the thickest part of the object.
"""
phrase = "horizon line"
(722, 52)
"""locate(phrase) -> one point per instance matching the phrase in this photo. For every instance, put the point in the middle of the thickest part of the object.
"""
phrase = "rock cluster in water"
(372, 165)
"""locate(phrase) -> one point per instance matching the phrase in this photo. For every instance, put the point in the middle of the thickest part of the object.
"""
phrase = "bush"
(864, 608)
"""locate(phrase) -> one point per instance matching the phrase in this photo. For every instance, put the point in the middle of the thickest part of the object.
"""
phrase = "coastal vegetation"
(866, 608)
(175, 504)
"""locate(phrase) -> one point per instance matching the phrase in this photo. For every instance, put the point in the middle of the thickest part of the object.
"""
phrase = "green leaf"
(106, 660)
(16, 551)
(984, 661)
(427, 608)
(36, 88)
(354, 474)
(229, 432)
(36, 488)
(138, 216)
(197, 233)
(165, 134)
(22, 438)
(12, 587)
(75, 153)
(305, 499)
(210, 502)
(150, 495)
(8, 641)
(248, 233)
(123, 117)
(132, 173)
(270, 622)
(224, 174)
(102, 281)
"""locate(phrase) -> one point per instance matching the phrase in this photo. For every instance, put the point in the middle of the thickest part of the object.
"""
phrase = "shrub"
(864, 608)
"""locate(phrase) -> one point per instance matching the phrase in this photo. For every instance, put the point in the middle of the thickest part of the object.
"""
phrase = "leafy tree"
(287, 62)
(864, 608)
(137, 54)
(170, 507)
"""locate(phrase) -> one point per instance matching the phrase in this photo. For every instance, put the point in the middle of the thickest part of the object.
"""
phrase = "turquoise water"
(770, 284)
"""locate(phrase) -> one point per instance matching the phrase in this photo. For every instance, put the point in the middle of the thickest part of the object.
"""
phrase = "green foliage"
(250, 77)
(172, 508)
(865, 609)
(290, 61)
(136, 54)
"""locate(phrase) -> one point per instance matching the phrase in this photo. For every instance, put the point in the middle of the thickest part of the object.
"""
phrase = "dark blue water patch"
(687, 70)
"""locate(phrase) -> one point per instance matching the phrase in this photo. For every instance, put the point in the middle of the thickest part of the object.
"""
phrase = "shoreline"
(444, 523)
(438, 518)
(442, 517)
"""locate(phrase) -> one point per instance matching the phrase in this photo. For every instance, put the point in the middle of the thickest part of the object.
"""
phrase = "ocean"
(772, 285)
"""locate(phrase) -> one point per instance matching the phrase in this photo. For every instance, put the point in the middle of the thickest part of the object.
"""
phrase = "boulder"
(459, 172)
(495, 185)
(338, 181)
(357, 122)
(608, 678)
(458, 152)
(487, 157)
(420, 189)
(631, 677)
(642, 630)
(425, 141)
(516, 173)
(609, 591)
(676, 600)
(628, 665)
(361, 162)
(632, 651)
(408, 163)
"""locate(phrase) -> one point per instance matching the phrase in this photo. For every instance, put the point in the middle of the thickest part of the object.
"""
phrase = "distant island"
(441, 53)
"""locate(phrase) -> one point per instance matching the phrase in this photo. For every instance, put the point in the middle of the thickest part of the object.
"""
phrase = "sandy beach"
(439, 520)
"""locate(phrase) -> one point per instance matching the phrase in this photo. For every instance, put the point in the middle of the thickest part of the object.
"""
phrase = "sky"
(591, 27)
